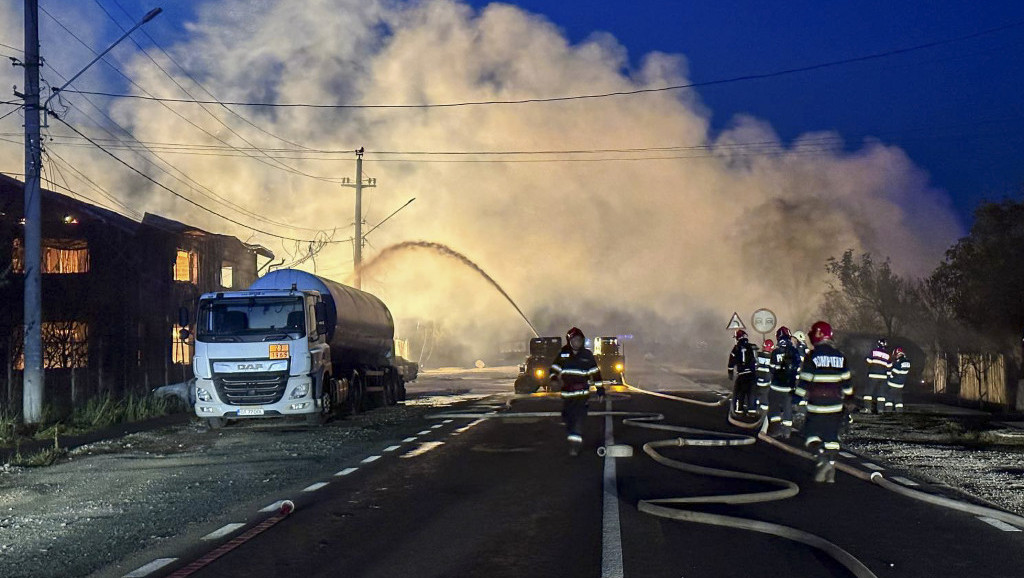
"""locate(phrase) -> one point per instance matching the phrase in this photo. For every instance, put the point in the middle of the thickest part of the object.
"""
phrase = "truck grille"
(250, 388)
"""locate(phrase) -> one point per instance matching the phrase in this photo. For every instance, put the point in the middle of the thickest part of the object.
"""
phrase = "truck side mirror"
(184, 334)
(183, 316)
(320, 309)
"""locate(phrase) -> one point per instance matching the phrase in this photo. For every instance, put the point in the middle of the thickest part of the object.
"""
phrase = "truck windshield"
(545, 346)
(251, 319)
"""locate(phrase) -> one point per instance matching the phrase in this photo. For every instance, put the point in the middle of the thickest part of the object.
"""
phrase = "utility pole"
(357, 242)
(32, 376)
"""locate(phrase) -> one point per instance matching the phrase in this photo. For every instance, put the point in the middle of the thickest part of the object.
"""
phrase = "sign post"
(763, 321)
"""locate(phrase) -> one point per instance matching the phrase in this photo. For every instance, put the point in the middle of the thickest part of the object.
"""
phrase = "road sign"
(763, 321)
(735, 322)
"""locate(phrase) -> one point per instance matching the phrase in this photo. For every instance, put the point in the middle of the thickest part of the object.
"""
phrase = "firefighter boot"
(830, 476)
(575, 443)
(823, 468)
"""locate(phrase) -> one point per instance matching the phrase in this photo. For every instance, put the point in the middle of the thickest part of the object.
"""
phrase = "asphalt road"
(495, 493)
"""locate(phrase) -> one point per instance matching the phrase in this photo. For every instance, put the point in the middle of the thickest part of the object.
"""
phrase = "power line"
(183, 197)
(15, 48)
(729, 80)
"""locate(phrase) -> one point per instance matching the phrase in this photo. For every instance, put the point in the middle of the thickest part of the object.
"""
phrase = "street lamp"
(32, 376)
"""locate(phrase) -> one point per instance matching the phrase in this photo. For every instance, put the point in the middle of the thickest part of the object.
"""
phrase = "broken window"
(186, 266)
(227, 276)
(59, 256)
(181, 349)
(65, 345)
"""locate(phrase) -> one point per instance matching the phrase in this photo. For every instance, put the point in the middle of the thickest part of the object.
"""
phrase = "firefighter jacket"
(764, 368)
(576, 371)
(785, 366)
(898, 373)
(742, 359)
(825, 379)
(878, 363)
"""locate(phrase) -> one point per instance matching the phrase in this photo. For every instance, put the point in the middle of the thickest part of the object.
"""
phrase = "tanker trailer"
(292, 344)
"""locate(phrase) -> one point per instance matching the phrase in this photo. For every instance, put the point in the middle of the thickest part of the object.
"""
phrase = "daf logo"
(249, 366)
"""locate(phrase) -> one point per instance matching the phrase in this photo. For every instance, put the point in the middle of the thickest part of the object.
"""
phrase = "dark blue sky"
(957, 109)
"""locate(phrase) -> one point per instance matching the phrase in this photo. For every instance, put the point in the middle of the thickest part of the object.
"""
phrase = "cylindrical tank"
(360, 330)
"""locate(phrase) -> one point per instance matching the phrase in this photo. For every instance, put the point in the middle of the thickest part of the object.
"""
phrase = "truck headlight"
(539, 373)
(203, 395)
(619, 367)
(301, 390)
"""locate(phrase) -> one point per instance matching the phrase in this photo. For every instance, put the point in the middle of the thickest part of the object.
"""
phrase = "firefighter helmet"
(883, 342)
(574, 332)
(820, 331)
(782, 332)
(769, 345)
(740, 334)
(898, 352)
(801, 337)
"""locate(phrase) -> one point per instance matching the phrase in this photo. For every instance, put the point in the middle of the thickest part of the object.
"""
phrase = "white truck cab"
(262, 353)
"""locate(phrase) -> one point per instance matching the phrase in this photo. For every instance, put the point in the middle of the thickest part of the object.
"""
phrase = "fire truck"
(611, 359)
(534, 372)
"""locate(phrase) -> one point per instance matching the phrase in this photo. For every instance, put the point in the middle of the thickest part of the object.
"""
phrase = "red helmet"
(820, 331)
(782, 332)
(574, 332)
(898, 352)
(769, 345)
(740, 334)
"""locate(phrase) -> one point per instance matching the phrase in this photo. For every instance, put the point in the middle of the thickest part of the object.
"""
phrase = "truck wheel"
(216, 422)
(356, 392)
(390, 395)
(326, 405)
(401, 389)
(524, 384)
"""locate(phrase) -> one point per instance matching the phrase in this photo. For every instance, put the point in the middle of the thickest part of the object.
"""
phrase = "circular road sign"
(763, 321)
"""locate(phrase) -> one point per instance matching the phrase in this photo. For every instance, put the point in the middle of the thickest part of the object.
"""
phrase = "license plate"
(251, 411)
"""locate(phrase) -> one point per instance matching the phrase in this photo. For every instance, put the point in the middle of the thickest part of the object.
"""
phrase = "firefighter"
(759, 396)
(573, 371)
(879, 364)
(742, 363)
(897, 380)
(825, 384)
(801, 344)
(785, 368)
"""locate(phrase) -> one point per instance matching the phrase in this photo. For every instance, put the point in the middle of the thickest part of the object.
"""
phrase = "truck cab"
(610, 358)
(262, 353)
(534, 372)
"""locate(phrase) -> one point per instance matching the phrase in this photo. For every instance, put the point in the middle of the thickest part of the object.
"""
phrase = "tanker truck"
(293, 344)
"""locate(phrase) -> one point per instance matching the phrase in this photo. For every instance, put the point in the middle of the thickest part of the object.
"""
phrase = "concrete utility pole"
(357, 242)
(32, 376)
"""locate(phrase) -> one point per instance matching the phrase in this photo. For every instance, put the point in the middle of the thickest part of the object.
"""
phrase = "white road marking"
(999, 524)
(872, 466)
(314, 487)
(407, 440)
(611, 546)
(346, 471)
(466, 427)
(273, 507)
(222, 531)
(370, 459)
(847, 455)
(391, 448)
(424, 432)
(904, 481)
(424, 448)
(436, 426)
(149, 568)
(447, 421)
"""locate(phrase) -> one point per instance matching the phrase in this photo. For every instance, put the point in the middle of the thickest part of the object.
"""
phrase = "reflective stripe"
(814, 408)
(896, 385)
(575, 438)
(581, 393)
(899, 405)
(806, 376)
(574, 372)
(782, 389)
(556, 367)
(899, 372)
(877, 376)
(811, 440)
(800, 391)
(832, 445)
(868, 398)
(787, 422)
(775, 419)
(594, 371)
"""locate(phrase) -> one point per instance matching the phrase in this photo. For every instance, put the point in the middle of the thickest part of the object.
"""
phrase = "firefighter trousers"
(780, 408)
(574, 413)
(822, 430)
(894, 399)
(742, 390)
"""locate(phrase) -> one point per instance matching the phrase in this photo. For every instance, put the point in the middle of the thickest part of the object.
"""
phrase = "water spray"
(444, 251)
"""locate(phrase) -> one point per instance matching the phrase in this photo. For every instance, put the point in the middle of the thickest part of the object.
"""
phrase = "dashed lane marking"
(314, 487)
(407, 440)
(148, 569)
(872, 466)
(391, 448)
(999, 524)
(370, 459)
(423, 433)
(447, 421)
(847, 455)
(437, 426)
(466, 427)
(346, 471)
(273, 507)
(904, 481)
(222, 531)
(424, 448)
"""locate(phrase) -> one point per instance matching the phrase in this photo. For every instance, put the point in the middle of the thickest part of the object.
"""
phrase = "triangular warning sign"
(735, 322)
